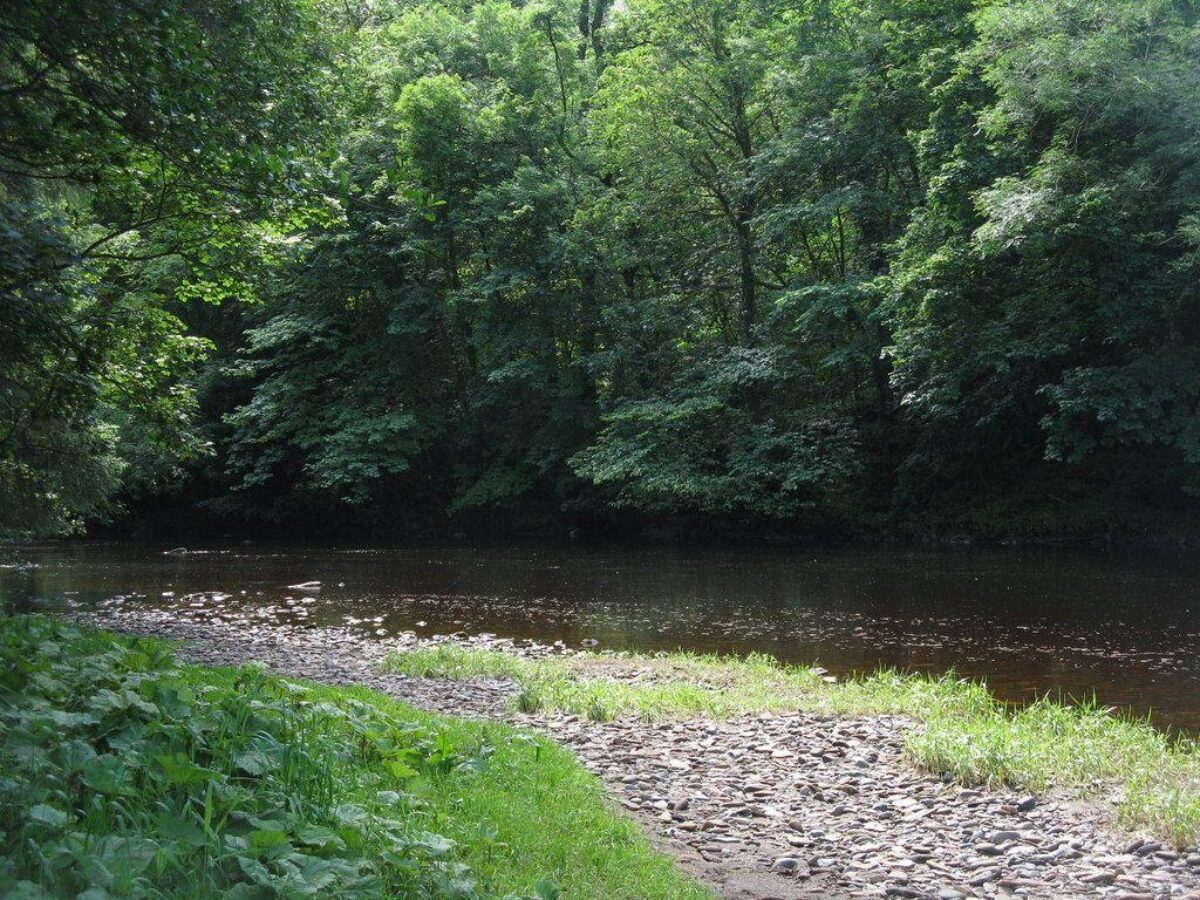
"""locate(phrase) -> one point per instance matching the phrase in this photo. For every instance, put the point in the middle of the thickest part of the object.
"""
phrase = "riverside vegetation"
(824, 796)
(129, 775)
(772, 268)
(967, 733)
(762, 267)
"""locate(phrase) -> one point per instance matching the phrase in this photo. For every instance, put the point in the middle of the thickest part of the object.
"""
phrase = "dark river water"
(1124, 626)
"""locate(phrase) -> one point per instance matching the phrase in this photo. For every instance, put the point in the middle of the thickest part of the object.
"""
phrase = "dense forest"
(741, 267)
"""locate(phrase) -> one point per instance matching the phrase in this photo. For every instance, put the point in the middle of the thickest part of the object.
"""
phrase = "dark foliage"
(853, 268)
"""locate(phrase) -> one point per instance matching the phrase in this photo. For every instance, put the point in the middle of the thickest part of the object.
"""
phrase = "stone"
(981, 878)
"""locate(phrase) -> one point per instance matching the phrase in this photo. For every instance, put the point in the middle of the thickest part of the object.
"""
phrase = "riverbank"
(1064, 623)
(127, 774)
(767, 781)
(963, 732)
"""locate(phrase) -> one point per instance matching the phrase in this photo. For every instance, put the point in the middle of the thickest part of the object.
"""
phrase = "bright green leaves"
(434, 116)
(248, 788)
(138, 148)
(182, 772)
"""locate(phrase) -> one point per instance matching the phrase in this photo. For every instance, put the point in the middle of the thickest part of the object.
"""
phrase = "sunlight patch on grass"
(1084, 747)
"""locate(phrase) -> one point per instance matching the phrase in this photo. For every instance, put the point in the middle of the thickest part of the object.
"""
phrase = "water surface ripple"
(1029, 621)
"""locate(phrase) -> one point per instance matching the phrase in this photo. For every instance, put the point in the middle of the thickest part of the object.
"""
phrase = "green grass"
(124, 774)
(1082, 747)
(535, 813)
(606, 685)
(967, 732)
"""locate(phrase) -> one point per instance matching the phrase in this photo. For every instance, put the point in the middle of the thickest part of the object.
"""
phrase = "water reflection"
(1125, 626)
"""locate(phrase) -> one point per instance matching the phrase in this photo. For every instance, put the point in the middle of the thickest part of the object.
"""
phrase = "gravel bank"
(765, 806)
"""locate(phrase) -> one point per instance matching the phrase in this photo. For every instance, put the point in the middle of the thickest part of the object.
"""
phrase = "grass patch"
(967, 732)
(1083, 747)
(125, 774)
(535, 813)
(671, 685)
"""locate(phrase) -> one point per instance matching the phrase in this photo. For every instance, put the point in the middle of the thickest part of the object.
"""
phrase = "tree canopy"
(788, 266)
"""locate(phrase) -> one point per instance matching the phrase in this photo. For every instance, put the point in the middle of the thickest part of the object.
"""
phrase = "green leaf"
(434, 844)
(255, 762)
(254, 870)
(42, 814)
(266, 839)
(317, 836)
(107, 774)
(400, 770)
(182, 771)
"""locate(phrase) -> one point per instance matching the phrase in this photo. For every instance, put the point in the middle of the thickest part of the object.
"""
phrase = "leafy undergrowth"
(967, 733)
(127, 775)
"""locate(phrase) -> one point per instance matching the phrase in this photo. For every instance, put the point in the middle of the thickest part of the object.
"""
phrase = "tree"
(1046, 327)
(824, 266)
(136, 140)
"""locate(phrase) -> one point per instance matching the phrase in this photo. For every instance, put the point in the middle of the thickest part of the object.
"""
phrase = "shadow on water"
(1028, 621)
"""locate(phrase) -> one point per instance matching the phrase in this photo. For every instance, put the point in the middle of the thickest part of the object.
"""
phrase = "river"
(1069, 622)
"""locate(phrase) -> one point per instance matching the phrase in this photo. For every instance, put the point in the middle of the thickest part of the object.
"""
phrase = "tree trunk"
(749, 300)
